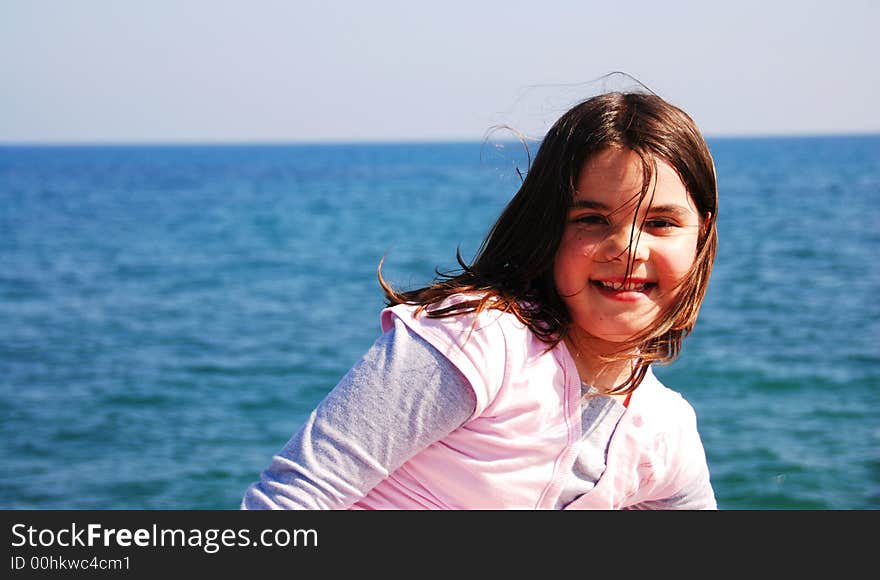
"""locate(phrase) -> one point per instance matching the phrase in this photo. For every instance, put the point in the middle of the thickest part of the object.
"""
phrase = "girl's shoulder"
(464, 321)
(662, 406)
(484, 345)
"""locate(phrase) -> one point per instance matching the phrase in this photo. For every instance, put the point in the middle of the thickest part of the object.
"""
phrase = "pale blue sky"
(303, 70)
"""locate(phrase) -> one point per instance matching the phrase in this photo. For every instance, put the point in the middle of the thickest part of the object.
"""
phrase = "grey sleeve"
(399, 398)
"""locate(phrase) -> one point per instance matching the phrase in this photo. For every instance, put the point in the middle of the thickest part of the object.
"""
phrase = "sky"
(215, 71)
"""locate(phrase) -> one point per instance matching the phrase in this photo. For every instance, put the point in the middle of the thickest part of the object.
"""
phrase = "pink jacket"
(518, 446)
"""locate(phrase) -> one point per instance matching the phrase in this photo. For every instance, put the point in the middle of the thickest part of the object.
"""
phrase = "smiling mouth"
(620, 286)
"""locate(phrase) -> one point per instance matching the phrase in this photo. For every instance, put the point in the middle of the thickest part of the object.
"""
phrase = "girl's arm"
(697, 494)
(689, 486)
(399, 398)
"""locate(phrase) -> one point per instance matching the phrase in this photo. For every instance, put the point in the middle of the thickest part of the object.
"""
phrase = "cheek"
(675, 263)
(560, 270)
(572, 260)
(576, 246)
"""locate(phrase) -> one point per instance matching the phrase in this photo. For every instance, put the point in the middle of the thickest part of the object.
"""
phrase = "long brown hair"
(513, 269)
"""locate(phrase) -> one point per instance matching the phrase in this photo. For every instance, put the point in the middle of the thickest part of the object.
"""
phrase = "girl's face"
(604, 228)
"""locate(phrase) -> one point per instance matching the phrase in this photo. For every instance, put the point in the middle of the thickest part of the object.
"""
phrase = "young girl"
(525, 382)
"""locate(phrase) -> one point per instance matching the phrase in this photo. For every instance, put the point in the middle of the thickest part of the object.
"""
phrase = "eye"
(592, 219)
(660, 223)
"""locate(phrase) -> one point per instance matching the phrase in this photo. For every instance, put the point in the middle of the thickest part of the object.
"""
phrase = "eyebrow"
(587, 204)
(669, 209)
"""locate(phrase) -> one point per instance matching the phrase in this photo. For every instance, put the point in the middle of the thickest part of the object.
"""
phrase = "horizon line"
(382, 141)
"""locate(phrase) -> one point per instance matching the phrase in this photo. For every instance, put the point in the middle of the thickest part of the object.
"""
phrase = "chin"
(615, 338)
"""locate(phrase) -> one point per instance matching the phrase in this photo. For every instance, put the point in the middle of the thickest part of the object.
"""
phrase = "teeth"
(618, 286)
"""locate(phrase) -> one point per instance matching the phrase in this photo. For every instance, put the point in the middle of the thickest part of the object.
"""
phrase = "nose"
(624, 243)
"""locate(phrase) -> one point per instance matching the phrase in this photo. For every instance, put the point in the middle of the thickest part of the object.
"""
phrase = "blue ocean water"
(169, 315)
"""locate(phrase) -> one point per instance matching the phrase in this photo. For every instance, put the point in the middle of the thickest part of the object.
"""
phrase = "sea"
(170, 314)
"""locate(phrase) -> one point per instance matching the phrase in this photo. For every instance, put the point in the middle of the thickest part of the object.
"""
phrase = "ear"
(707, 223)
